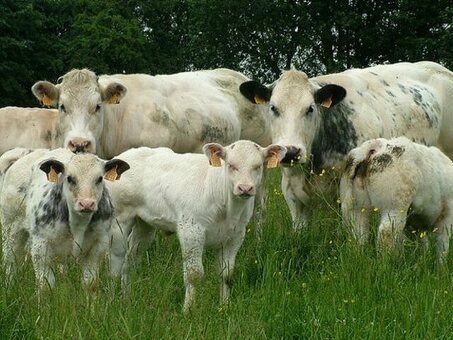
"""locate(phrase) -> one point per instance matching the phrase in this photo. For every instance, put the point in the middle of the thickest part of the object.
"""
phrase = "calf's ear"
(114, 168)
(214, 152)
(330, 95)
(256, 92)
(46, 92)
(113, 93)
(52, 168)
(274, 154)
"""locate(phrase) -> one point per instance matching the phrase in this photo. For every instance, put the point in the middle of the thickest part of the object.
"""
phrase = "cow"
(407, 183)
(205, 205)
(112, 113)
(29, 127)
(321, 119)
(55, 204)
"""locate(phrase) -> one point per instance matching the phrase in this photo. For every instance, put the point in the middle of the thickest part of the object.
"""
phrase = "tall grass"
(315, 284)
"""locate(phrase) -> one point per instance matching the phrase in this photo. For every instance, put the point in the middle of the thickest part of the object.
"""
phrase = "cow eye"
(62, 108)
(98, 107)
(71, 180)
(275, 110)
(257, 167)
(310, 109)
(99, 180)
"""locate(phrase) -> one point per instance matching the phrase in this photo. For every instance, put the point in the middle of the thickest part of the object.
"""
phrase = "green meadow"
(315, 284)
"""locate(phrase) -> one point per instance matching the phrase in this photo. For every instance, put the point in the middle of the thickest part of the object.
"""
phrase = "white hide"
(205, 206)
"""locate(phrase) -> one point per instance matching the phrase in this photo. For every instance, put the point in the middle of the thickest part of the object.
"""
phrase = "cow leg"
(225, 260)
(391, 227)
(192, 239)
(13, 245)
(296, 198)
(444, 233)
(260, 209)
(121, 229)
(355, 208)
(42, 263)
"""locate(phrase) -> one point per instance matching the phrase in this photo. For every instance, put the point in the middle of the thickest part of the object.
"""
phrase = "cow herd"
(58, 199)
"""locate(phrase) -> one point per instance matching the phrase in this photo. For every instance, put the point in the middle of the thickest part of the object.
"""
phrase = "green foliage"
(316, 284)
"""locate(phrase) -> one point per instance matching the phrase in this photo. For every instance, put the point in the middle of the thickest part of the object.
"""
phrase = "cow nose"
(293, 154)
(245, 189)
(79, 145)
(86, 205)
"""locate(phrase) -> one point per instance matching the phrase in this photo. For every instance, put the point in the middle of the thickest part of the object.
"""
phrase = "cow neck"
(78, 224)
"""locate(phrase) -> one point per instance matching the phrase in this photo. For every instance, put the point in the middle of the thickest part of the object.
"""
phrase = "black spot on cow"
(389, 93)
(384, 82)
(212, 134)
(396, 151)
(53, 208)
(359, 93)
(379, 163)
(105, 208)
(373, 73)
(402, 88)
(22, 189)
(336, 135)
(416, 95)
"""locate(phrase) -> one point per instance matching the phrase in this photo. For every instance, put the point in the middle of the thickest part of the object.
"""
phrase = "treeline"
(43, 39)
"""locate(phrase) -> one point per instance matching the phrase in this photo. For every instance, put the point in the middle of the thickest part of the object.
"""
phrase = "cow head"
(80, 100)
(243, 163)
(82, 179)
(295, 104)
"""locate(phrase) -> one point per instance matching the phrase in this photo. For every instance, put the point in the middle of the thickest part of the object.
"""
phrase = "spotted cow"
(408, 184)
(321, 119)
(54, 204)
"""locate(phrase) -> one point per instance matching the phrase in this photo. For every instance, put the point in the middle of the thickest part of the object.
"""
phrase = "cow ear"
(274, 154)
(52, 168)
(113, 93)
(46, 92)
(255, 92)
(214, 152)
(114, 168)
(330, 95)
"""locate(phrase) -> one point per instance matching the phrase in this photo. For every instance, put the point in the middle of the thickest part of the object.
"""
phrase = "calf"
(408, 183)
(206, 206)
(57, 202)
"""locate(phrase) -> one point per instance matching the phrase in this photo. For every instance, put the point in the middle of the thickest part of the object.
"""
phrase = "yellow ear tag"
(258, 99)
(52, 176)
(114, 99)
(215, 160)
(46, 101)
(112, 174)
(327, 102)
(273, 161)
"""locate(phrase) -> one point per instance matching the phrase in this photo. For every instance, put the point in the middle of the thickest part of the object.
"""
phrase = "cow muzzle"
(77, 145)
(245, 190)
(86, 205)
(294, 155)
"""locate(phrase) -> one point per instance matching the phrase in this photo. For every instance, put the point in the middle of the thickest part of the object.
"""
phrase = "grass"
(316, 284)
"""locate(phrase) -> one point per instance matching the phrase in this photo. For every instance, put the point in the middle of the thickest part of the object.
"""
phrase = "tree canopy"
(43, 39)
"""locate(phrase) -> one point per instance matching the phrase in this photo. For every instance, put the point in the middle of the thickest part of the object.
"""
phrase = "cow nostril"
(292, 154)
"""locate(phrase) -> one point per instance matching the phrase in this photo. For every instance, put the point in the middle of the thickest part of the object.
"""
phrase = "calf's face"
(82, 179)
(243, 163)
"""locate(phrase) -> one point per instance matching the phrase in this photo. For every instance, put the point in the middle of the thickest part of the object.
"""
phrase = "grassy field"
(316, 284)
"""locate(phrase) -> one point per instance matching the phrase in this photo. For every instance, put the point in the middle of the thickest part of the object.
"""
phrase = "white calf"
(206, 206)
(407, 183)
(68, 212)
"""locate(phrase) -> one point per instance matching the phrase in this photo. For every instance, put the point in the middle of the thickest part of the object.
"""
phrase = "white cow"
(206, 206)
(55, 204)
(406, 182)
(29, 127)
(321, 119)
(112, 113)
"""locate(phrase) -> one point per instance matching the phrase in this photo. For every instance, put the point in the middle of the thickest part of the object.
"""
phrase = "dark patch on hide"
(373, 73)
(105, 207)
(396, 151)
(336, 135)
(212, 134)
(390, 93)
(379, 163)
(384, 82)
(53, 208)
